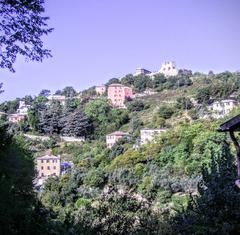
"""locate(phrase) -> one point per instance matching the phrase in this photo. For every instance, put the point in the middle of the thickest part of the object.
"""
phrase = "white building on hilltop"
(169, 68)
(141, 71)
(23, 108)
(148, 135)
(222, 107)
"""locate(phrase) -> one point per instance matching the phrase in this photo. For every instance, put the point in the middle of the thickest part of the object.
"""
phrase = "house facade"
(100, 90)
(23, 108)
(16, 117)
(117, 94)
(60, 98)
(141, 71)
(169, 68)
(112, 138)
(148, 135)
(222, 108)
(48, 165)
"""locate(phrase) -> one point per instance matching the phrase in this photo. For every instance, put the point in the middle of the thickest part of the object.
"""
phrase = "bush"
(83, 202)
(135, 105)
(165, 112)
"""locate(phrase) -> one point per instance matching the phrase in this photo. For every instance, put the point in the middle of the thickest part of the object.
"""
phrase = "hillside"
(130, 180)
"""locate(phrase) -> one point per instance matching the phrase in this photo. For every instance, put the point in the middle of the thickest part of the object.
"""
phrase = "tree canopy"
(22, 27)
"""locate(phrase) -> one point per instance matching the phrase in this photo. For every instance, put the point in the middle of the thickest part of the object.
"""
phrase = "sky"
(95, 40)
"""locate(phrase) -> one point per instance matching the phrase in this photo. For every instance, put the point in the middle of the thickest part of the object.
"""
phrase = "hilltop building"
(48, 165)
(148, 135)
(100, 90)
(168, 68)
(23, 108)
(118, 93)
(222, 108)
(112, 138)
(141, 71)
(60, 98)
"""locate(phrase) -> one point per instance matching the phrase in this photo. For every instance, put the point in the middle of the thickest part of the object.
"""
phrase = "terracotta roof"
(119, 133)
(48, 157)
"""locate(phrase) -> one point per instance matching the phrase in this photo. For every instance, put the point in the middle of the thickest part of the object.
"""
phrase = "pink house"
(117, 94)
(16, 117)
(112, 138)
(100, 90)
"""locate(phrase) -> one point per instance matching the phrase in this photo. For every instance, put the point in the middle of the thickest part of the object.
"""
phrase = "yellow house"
(48, 165)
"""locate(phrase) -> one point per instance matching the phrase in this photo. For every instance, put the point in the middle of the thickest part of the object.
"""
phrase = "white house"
(221, 108)
(100, 90)
(169, 68)
(148, 135)
(141, 71)
(60, 98)
(112, 138)
(23, 108)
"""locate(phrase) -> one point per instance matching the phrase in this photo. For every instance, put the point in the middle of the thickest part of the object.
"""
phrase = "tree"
(216, 209)
(112, 81)
(184, 103)
(128, 80)
(135, 105)
(44, 93)
(142, 82)
(158, 80)
(165, 112)
(49, 122)
(98, 111)
(77, 124)
(21, 28)
(69, 91)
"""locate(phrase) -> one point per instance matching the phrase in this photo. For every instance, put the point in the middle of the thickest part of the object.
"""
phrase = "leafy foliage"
(22, 26)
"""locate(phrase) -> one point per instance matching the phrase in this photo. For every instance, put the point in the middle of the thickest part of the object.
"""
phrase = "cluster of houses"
(146, 136)
(118, 93)
(51, 166)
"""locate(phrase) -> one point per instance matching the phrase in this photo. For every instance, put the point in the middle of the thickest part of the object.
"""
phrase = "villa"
(118, 93)
(60, 98)
(221, 108)
(112, 138)
(100, 90)
(148, 135)
(17, 117)
(48, 165)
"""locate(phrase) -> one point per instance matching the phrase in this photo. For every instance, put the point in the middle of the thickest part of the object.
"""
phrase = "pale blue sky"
(95, 40)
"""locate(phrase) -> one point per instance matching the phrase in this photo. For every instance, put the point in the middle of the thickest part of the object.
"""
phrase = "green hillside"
(162, 185)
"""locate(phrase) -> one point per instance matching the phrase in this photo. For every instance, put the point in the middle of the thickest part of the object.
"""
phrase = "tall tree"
(22, 27)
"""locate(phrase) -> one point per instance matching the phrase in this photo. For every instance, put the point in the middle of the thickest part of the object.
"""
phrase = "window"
(48, 167)
(42, 167)
(54, 167)
(42, 174)
(47, 161)
(41, 161)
